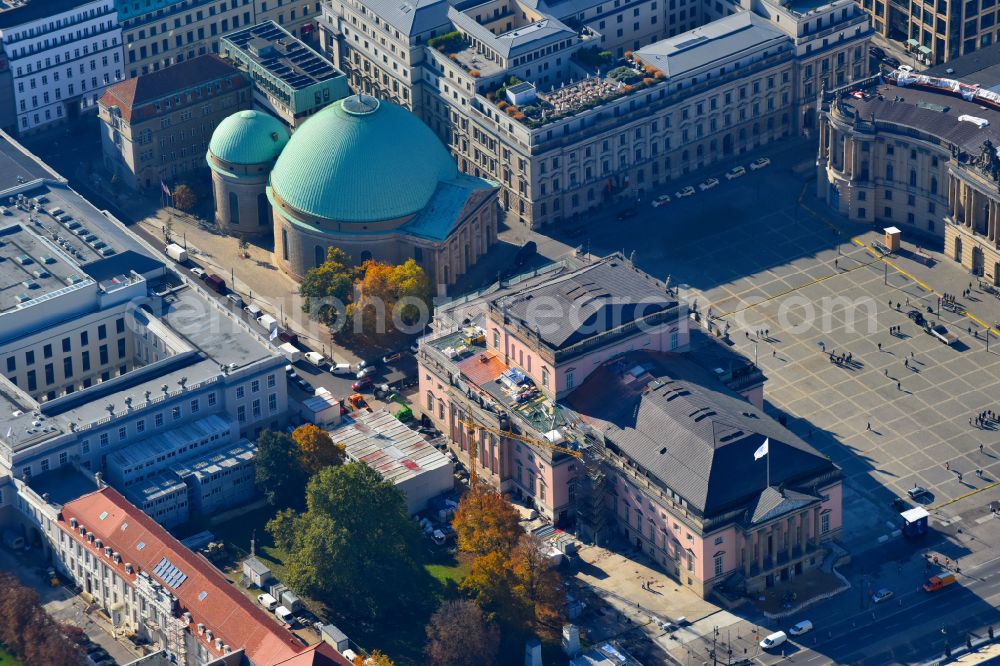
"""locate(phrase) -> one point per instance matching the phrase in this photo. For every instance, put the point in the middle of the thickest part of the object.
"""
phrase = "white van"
(267, 601)
(253, 311)
(774, 640)
(284, 615)
(343, 369)
(314, 357)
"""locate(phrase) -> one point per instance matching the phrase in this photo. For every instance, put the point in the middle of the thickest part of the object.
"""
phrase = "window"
(104, 439)
(240, 392)
(569, 380)
(45, 464)
(121, 348)
(66, 345)
(85, 446)
(718, 565)
(255, 386)
(718, 541)
(241, 414)
(158, 420)
(271, 381)
(120, 325)
(195, 406)
(140, 425)
(63, 458)
(102, 332)
(272, 403)
(824, 523)
(496, 339)
(211, 399)
(175, 413)
(256, 409)
(122, 433)
(47, 351)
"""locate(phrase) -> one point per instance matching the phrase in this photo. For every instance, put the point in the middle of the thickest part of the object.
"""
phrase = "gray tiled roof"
(735, 35)
(513, 42)
(584, 303)
(774, 502)
(412, 17)
(692, 434)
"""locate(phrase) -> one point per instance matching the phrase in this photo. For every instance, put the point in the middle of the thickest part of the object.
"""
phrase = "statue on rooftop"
(989, 161)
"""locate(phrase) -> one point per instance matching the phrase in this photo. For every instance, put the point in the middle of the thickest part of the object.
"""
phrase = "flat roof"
(18, 166)
(12, 15)
(388, 446)
(31, 267)
(284, 56)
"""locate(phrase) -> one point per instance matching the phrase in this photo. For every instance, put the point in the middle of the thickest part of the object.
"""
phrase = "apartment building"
(157, 126)
(290, 80)
(917, 152)
(61, 55)
(571, 105)
(160, 33)
(628, 421)
(936, 31)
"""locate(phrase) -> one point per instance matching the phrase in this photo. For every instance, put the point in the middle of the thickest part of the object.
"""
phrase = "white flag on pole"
(761, 450)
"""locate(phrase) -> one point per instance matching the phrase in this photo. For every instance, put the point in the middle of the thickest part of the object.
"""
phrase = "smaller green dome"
(248, 137)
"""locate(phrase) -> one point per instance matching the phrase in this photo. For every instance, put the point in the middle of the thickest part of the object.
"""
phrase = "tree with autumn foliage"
(522, 591)
(459, 635)
(184, 197)
(391, 298)
(28, 631)
(486, 521)
(376, 658)
(316, 449)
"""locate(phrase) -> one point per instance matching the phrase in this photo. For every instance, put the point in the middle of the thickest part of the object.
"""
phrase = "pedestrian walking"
(880, 346)
(947, 466)
(869, 426)
(899, 386)
(886, 371)
(960, 477)
(906, 363)
(980, 448)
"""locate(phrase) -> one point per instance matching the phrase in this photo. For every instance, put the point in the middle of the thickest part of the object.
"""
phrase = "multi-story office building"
(160, 33)
(289, 79)
(157, 126)
(101, 349)
(936, 31)
(569, 106)
(597, 358)
(61, 55)
(919, 153)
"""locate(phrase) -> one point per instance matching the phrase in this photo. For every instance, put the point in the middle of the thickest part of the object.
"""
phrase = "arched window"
(320, 255)
(263, 210)
(284, 244)
(234, 208)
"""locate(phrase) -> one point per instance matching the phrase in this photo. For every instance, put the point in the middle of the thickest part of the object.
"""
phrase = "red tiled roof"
(131, 94)
(205, 593)
(320, 654)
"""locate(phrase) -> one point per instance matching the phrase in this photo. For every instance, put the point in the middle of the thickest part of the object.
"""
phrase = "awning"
(911, 42)
(924, 50)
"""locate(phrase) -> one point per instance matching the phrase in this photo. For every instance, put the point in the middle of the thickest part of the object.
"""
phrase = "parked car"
(341, 369)
(216, 283)
(708, 184)
(876, 52)
(774, 640)
(661, 200)
(941, 332)
(267, 601)
(760, 163)
(198, 273)
(890, 61)
(899, 504)
(363, 384)
(366, 372)
(288, 336)
(916, 317)
(803, 627)
(284, 615)
(684, 192)
(736, 172)
(916, 492)
(631, 211)
(236, 299)
(883, 594)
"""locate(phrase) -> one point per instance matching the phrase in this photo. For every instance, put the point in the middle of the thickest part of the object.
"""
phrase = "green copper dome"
(248, 137)
(361, 160)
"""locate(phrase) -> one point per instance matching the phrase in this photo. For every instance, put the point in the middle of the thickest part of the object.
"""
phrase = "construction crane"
(472, 427)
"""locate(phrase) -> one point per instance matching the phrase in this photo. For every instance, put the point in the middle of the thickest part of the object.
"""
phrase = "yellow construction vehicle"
(472, 427)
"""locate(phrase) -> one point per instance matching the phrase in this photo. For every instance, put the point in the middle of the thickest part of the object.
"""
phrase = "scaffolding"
(593, 522)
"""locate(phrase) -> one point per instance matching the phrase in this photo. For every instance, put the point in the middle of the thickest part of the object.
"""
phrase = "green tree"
(184, 197)
(280, 475)
(329, 289)
(354, 547)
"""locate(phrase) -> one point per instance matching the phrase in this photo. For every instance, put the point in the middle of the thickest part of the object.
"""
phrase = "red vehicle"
(363, 383)
(216, 283)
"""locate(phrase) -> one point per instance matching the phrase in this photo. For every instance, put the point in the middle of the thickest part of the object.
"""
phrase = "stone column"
(761, 548)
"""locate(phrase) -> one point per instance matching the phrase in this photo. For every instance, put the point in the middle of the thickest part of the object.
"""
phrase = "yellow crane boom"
(472, 427)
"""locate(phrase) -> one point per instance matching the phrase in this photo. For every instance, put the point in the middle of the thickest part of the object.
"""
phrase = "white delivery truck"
(290, 351)
(315, 358)
(268, 322)
(177, 253)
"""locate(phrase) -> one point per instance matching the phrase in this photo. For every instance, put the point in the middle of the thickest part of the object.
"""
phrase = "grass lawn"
(7, 659)
(401, 638)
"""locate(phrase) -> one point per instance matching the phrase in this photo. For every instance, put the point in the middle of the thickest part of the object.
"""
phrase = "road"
(907, 633)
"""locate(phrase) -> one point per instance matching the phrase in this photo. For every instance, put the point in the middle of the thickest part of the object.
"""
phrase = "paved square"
(775, 265)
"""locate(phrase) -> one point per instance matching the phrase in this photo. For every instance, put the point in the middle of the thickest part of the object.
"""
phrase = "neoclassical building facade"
(919, 153)
(364, 175)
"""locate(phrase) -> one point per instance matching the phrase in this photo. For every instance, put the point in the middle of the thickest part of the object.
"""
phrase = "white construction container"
(290, 352)
(177, 253)
(268, 322)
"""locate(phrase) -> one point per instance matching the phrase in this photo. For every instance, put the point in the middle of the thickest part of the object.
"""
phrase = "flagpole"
(768, 456)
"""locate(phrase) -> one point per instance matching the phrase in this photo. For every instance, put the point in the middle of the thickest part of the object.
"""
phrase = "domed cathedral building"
(241, 153)
(364, 175)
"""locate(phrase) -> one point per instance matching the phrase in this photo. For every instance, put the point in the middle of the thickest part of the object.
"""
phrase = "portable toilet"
(571, 639)
(533, 652)
(915, 522)
(892, 235)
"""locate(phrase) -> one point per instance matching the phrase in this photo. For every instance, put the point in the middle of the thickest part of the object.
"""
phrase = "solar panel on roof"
(171, 576)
